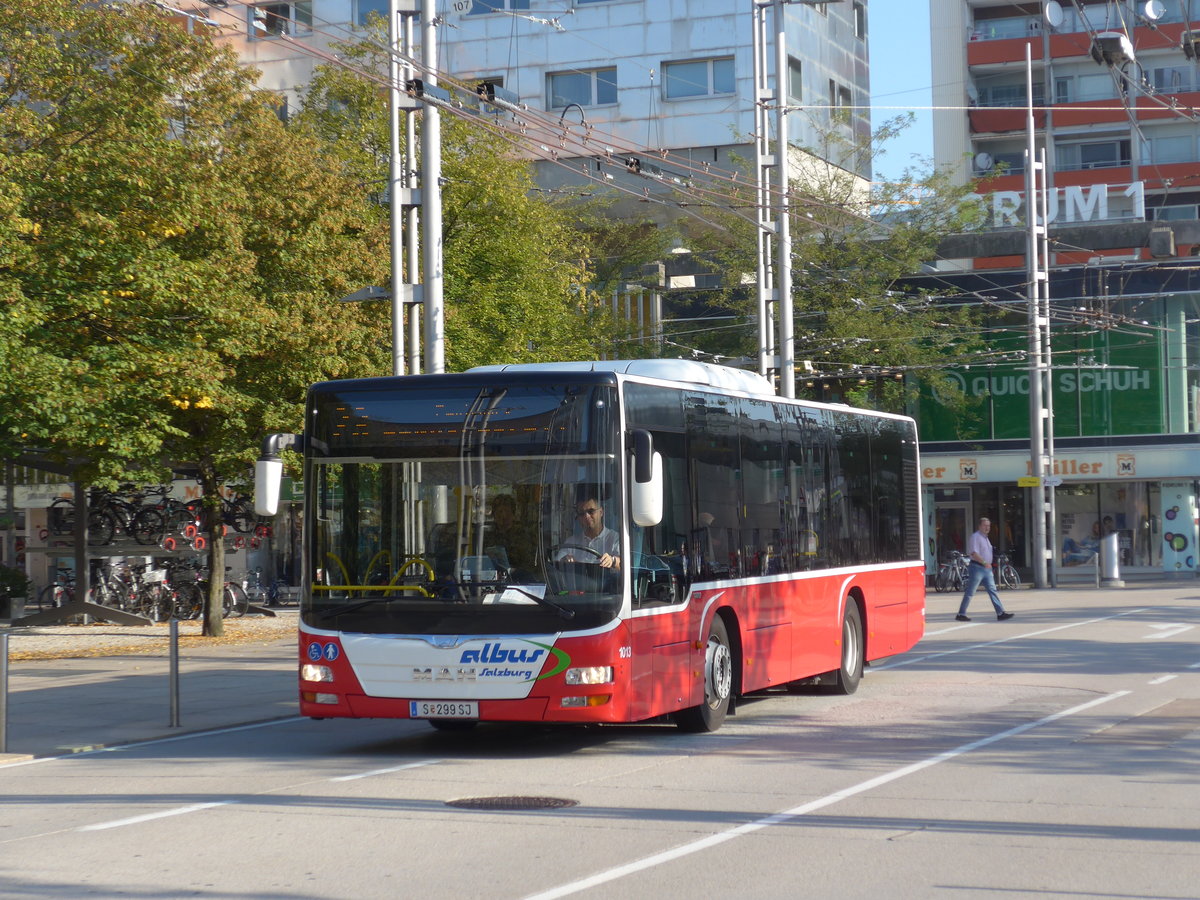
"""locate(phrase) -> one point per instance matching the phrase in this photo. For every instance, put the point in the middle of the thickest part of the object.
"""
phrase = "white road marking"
(1165, 631)
(199, 807)
(814, 805)
(1163, 679)
(150, 817)
(416, 765)
(910, 660)
(133, 745)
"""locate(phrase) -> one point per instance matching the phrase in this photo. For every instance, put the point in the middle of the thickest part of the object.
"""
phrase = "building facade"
(656, 75)
(1115, 86)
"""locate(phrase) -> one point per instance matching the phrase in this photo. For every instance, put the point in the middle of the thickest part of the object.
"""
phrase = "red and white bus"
(595, 542)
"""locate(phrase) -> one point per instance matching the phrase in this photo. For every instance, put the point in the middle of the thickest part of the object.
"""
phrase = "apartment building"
(1116, 98)
(660, 76)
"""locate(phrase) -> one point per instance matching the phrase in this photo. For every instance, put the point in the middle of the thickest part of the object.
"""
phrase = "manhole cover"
(512, 803)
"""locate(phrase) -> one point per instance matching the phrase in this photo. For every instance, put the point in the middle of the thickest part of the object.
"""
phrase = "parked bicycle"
(1006, 573)
(952, 573)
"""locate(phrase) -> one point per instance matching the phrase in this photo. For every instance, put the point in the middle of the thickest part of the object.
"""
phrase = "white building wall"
(637, 36)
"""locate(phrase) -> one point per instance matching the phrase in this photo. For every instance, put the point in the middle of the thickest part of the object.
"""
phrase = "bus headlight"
(309, 672)
(590, 675)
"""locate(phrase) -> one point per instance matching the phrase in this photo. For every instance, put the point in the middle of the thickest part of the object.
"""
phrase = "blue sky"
(900, 59)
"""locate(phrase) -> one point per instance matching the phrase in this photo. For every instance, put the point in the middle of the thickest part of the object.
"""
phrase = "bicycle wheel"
(62, 517)
(189, 601)
(241, 515)
(149, 525)
(155, 603)
(235, 600)
(102, 525)
(1009, 577)
(941, 582)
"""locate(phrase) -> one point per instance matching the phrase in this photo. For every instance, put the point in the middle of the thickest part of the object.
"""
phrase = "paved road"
(1054, 755)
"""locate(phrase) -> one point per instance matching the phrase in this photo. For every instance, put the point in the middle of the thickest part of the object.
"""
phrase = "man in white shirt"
(979, 548)
(596, 544)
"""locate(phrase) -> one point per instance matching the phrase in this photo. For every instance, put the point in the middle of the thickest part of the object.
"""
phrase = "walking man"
(980, 570)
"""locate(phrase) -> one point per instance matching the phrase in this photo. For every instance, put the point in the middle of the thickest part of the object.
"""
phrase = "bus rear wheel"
(849, 674)
(718, 683)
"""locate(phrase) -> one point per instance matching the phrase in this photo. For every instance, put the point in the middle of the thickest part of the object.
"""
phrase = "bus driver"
(590, 534)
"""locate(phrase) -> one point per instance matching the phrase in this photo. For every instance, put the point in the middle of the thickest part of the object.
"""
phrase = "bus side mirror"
(268, 473)
(646, 491)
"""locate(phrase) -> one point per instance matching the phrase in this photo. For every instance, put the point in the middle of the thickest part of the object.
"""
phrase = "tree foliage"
(171, 253)
(171, 250)
(860, 335)
(515, 264)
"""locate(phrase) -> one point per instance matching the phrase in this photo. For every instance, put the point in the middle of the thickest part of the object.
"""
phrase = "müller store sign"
(1145, 463)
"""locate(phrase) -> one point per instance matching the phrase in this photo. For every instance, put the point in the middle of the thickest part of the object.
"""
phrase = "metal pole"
(395, 182)
(174, 670)
(1033, 296)
(412, 230)
(763, 163)
(431, 200)
(1051, 492)
(3, 693)
(783, 231)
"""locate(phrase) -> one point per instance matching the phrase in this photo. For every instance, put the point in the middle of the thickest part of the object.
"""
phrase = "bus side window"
(659, 563)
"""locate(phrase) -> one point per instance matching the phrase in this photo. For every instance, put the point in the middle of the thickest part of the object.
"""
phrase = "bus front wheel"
(849, 674)
(718, 683)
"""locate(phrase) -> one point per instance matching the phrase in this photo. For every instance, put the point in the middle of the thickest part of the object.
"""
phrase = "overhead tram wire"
(546, 131)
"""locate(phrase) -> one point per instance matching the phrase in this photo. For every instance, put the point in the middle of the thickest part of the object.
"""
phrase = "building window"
(698, 78)
(585, 87)
(1172, 79)
(860, 21)
(482, 7)
(268, 20)
(364, 8)
(795, 83)
(1175, 213)
(1093, 155)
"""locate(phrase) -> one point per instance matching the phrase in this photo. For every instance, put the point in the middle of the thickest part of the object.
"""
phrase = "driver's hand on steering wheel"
(608, 561)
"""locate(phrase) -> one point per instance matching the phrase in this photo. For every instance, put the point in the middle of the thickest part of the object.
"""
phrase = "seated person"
(590, 534)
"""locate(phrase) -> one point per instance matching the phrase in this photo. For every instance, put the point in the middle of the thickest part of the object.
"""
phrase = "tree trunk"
(214, 531)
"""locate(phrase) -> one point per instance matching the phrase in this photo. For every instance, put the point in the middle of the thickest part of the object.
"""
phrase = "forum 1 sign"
(1074, 203)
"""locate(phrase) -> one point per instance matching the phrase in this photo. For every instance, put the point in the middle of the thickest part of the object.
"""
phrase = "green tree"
(853, 245)
(515, 266)
(171, 250)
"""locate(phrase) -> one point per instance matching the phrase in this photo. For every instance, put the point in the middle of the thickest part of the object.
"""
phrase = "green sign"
(1104, 383)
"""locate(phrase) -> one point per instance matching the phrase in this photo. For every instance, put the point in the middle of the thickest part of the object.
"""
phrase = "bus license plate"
(443, 709)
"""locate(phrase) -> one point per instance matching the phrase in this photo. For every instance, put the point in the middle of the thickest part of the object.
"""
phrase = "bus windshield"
(473, 508)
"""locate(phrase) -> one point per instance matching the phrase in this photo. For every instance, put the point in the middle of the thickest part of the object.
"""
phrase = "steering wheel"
(563, 547)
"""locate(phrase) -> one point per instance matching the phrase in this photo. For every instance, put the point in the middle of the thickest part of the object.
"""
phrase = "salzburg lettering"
(1074, 203)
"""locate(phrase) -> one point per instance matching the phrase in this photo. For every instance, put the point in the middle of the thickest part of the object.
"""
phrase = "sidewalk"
(116, 689)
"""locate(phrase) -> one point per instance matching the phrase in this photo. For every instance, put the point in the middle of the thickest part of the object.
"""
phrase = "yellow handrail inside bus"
(372, 587)
(341, 565)
(387, 557)
(404, 568)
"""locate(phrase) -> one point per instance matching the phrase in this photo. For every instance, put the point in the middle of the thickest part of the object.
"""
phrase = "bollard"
(1108, 565)
(174, 668)
(4, 693)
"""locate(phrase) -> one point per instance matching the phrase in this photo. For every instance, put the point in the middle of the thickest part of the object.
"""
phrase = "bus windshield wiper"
(562, 610)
